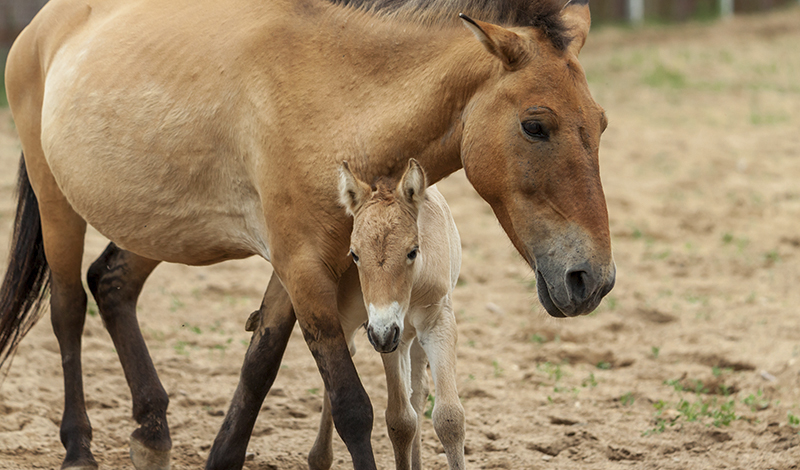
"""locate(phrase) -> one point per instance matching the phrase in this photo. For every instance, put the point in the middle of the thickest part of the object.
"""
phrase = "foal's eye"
(535, 129)
(412, 255)
(355, 257)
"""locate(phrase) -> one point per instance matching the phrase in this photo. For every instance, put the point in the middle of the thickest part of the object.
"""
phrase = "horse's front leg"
(402, 420)
(352, 314)
(419, 397)
(313, 294)
(272, 331)
(116, 279)
(439, 344)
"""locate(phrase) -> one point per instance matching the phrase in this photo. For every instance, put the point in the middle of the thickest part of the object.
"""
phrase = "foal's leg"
(419, 397)
(401, 419)
(439, 344)
(261, 363)
(63, 232)
(116, 279)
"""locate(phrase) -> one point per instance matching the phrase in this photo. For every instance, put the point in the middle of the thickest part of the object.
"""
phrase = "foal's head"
(385, 247)
(530, 148)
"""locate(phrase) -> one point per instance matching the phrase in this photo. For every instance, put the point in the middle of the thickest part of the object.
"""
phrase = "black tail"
(27, 278)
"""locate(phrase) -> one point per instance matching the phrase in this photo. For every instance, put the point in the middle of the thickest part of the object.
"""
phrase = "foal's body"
(196, 131)
(409, 257)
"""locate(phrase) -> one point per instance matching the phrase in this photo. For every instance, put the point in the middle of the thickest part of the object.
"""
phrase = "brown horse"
(408, 252)
(196, 131)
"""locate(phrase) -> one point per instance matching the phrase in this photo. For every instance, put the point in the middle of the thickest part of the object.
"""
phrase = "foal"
(408, 253)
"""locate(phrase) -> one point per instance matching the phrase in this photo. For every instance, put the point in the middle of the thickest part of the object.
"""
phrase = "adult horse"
(196, 131)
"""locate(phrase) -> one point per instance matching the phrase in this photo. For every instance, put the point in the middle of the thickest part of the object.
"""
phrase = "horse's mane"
(542, 14)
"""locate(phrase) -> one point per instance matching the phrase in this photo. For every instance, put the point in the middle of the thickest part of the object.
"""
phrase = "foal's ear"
(412, 185)
(352, 191)
(504, 44)
(578, 19)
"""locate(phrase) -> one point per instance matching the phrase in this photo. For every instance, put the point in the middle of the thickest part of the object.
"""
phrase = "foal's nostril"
(395, 335)
(579, 283)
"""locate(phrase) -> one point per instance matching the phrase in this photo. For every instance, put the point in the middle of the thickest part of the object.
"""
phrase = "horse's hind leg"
(261, 363)
(321, 455)
(448, 414)
(63, 233)
(116, 279)
(419, 397)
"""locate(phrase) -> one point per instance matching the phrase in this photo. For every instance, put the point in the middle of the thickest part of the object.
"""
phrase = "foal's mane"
(542, 14)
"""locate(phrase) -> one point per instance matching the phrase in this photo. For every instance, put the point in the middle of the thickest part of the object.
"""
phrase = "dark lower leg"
(350, 405)
(116, 279)
(261, 364)
(68, 312)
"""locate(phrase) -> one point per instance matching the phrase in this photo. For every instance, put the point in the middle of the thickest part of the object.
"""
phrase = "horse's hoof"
(80, 467)
(144, 458)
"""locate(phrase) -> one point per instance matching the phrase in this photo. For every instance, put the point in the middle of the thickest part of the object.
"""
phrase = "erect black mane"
(542, 14)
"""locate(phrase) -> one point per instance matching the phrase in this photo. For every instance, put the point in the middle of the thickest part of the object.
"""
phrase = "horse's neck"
(426, 82)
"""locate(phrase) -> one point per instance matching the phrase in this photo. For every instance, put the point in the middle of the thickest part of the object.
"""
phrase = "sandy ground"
(690, 363)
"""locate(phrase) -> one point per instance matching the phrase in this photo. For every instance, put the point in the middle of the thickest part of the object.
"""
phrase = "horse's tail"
(25, 283)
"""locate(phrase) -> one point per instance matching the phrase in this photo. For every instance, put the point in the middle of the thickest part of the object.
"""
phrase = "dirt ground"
(691, 362)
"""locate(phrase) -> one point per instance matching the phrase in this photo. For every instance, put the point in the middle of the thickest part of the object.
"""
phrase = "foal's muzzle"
(384, 340)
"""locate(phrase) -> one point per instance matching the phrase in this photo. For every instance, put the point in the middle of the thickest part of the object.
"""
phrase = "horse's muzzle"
(577, 291)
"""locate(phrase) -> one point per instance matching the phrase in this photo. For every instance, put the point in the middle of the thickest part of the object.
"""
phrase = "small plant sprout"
(537, 338)
(756, 402)
(589, 381)
(655, 350)
(429, 409)
(627, 399)
(498, 371)
(794, 421)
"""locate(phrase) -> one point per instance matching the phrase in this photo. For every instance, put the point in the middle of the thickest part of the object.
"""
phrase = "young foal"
(408, 252)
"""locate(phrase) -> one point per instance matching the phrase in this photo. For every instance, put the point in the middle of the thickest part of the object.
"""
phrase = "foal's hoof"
(80, 467)
(144, 458)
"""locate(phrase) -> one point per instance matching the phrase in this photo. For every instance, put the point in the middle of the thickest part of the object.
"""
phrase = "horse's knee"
(448, 421)
(401, 423)
(104, 278)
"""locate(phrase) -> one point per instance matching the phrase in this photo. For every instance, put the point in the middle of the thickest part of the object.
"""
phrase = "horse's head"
(385, 246)
(530, 149)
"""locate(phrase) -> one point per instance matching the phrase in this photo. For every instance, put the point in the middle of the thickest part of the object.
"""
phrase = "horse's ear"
(412, 185)
(578, 19)
(352, 191)
(504, 44)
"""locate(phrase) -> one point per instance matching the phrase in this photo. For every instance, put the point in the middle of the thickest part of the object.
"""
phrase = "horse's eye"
(353, 254)
(412, 255)
(535, 129)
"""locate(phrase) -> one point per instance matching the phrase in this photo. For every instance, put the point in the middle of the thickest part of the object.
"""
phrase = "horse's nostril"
(578, 282)
(395, 334)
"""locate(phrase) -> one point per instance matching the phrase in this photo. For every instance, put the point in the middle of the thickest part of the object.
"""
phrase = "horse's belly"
(184, 225)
